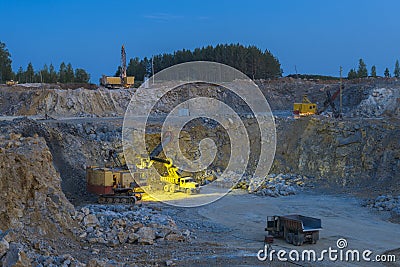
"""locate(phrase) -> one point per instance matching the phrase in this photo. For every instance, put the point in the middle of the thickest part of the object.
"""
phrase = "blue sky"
(315, 36)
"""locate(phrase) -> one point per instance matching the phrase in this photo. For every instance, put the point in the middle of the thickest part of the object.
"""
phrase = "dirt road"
(236, 224)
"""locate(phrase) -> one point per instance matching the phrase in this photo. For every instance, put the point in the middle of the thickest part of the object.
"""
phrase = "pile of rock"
(380, 101)
(95, 132)
(275, 185)
(63, 260)
(225, 180)
(385, 203)
(14, 252)
(113, 225)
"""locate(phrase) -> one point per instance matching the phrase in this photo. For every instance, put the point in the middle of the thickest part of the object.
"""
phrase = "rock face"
(58, 102)
(361, 97)
(32, 199)
(349, 153)
(358, 96)
(71, 147)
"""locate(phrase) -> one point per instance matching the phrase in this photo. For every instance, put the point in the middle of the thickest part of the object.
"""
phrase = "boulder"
(96, 263)
(132, 238)
(146, 235)
(16, 257)
(122, 237)
(90, 220)
(4, 246)
(175, 237)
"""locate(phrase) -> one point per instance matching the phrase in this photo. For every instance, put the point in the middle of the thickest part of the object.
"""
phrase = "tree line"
(250, 60)
(48, 74)
(362, 71)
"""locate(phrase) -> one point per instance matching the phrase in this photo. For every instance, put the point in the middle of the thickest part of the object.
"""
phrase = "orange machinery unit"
(113, 184)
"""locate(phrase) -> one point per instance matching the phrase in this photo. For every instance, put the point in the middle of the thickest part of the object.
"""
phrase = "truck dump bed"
(307, 223)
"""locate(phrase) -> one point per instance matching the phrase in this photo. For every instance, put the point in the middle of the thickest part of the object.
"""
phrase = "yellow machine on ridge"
(11, 82)
(121, 81)
(305, 108)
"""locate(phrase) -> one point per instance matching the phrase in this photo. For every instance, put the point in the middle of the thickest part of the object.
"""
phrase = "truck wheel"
(289, 238)
(172, 189)
(301, 239)
(296, 240)
(166, 188)
(315, 237)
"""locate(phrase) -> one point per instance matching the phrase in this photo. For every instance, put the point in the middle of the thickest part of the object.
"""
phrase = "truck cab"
(187, 182)
(189, 185)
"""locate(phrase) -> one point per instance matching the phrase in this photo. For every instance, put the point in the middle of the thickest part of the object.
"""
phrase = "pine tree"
(373, 71)
(81, 76)
(53, 77)
(62, 73)
(69, 74)
(6, 72)
(362, 71)
(29, 73)
(352, 74)
(387, 73)
(250, 60)
(44, 74)
(396, 71)
(20, 77)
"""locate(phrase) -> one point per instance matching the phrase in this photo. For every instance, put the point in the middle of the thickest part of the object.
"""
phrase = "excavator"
(307, 108)
(174, 181)
(114, 184)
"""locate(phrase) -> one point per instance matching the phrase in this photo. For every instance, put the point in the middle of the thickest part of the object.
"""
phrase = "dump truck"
(295, 229)
(181, 184)
(305, 108)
